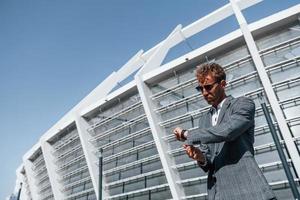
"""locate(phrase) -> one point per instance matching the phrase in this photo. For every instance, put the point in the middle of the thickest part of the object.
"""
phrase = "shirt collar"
(213, 109)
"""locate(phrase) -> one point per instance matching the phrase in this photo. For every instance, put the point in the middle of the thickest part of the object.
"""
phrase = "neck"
(219, 100)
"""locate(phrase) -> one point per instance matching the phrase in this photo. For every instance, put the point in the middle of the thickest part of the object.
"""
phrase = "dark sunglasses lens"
(208, 87)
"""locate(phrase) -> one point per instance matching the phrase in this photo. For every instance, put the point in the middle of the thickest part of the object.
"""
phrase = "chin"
(210, 102)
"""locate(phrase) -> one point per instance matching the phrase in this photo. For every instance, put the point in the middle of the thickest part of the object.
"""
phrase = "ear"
(223, 83)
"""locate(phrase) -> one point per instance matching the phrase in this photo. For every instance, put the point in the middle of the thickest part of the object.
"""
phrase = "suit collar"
(225, 103)
(224, 108)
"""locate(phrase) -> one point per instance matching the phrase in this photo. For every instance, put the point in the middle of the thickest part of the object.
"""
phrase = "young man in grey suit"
(226, 136)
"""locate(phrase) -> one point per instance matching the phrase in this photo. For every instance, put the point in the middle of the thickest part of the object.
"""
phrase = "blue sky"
(54, 52)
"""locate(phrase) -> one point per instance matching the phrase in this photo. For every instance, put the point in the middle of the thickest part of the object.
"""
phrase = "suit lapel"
(224, 109)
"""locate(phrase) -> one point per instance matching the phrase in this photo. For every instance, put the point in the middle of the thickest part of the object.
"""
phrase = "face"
(212, 91)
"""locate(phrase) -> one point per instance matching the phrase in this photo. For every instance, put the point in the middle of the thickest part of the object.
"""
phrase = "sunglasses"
(207, 88)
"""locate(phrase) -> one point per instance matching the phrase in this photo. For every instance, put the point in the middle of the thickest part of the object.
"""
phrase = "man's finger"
(188, 151)
(195, 157)
(191, 154)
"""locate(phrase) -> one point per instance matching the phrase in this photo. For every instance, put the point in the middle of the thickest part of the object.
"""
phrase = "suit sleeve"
(206, 151)
(241, 118)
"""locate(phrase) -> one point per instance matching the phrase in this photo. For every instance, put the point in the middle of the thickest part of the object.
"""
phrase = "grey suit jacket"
(232, 170)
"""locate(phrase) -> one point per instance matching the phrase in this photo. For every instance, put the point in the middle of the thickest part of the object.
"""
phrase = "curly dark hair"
(213, 69)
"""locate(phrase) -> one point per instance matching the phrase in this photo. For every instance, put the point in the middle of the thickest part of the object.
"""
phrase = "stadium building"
(132, 124)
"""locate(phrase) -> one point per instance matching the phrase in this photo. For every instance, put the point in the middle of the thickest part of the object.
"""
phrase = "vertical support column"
(24, 195)
(167, 161)
(290, 145)
(23, 192)
(19, 189)
(30, 177)
(20, 183)
(51, 169)
(90, 153)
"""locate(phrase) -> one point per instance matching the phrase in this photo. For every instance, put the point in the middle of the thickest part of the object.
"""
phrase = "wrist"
(184, 134)
(202, 162)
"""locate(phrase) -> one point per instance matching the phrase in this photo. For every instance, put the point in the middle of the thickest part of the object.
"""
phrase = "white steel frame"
(30, 174)
(47, 150)
(150, 62)
(21, 180)
(265, 80)
(155, 61)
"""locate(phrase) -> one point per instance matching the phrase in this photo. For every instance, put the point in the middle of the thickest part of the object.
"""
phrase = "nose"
(204, 92)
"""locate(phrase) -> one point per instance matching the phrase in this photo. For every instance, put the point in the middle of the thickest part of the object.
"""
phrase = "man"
(226, 138)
